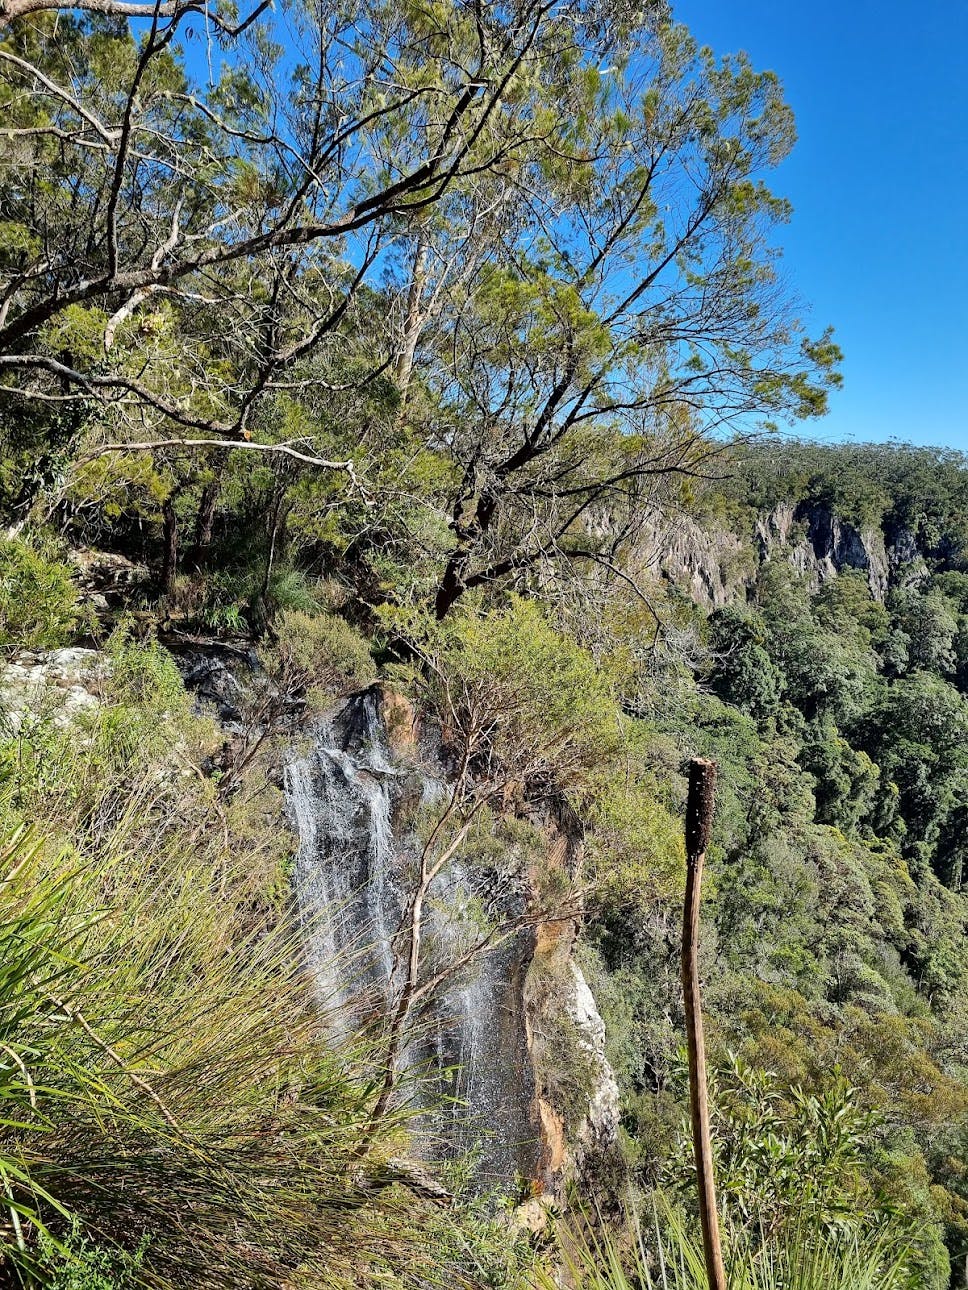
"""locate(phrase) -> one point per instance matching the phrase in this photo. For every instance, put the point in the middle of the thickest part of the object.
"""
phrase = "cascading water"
(466, 1060)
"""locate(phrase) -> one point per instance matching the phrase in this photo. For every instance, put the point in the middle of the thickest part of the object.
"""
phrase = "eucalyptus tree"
(621, 308)
(200, 219)
(190, 207)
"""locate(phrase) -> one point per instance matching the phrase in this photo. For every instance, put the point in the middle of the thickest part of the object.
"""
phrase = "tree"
(174, 244)
(523, 715)
(628, 308)
(743, 672)
(563, 201)
(930, 625)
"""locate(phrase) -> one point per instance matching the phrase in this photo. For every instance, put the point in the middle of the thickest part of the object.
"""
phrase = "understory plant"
(169, 1111)
(805, 1256)
(163, 1086)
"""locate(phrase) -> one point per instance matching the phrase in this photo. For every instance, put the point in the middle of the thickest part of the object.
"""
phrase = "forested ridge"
(428, 361)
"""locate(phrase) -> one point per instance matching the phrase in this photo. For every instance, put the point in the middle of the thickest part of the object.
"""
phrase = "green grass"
(670, 1257)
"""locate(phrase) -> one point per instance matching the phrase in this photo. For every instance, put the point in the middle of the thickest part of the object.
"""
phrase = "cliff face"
(576, 1096)
(510, 1035)
(820, 545)
(714, 564)
(710, 563)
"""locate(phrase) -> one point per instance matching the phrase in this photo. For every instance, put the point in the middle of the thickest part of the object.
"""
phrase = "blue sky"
(878, 244)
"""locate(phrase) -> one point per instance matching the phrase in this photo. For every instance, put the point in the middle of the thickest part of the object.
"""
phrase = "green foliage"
(319, 652)
(743, 670)
(783, 1153)
(169, 1114)
(510, 689)
(76, 1263)
(670, 1257)
(38, 600)
(140, 1074)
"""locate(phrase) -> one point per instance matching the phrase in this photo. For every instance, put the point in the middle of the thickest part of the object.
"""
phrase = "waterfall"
(466, 1064)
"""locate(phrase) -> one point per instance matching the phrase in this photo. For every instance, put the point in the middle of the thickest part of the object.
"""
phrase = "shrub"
(76, 1263)
(516, 696)
(318, 652)
(163, 1085)
(38, 600)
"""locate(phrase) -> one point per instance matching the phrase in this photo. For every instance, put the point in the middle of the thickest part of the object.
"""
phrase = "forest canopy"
(443, 284)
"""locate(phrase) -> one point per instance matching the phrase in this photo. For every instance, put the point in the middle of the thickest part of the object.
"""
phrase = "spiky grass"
(164, 1084)
(805, 1256)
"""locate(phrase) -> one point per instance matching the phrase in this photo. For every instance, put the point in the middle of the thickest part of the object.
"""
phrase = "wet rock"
(215, 676)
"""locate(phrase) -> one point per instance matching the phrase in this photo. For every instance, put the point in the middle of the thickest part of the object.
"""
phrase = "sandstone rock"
(534, 1214)
(600, 1127)
(400, 722)
(61, 682)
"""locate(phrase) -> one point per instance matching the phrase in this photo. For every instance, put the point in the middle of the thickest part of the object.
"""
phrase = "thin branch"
(226, 445)
(76, 1016)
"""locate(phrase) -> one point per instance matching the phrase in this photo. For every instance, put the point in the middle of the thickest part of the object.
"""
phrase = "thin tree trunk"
(451, 585)
(453, 582)
(413, 322)
(277, 526)
(169, 564)
(205, 518)
(699, 818)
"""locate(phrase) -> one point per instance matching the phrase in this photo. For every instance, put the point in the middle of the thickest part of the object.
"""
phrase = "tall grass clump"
(805, 1256)
(164, 1087)
(170, 1114)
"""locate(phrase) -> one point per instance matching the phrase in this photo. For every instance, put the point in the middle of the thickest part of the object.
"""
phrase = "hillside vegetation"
(835, 924)
(375, 343)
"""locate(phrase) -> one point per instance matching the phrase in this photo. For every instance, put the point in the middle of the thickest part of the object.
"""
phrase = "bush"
(518, 698)
(168, 1113)
(38, 600)
(318, 652)
(76, 1263)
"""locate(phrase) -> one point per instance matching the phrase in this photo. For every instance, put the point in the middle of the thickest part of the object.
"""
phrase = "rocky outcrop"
(106, 581)
(906, 562)
(576, 1094)
(711, 564)
(60, 684)
(820, 545)
(217, 675)
(714, 565)
(510, 1048)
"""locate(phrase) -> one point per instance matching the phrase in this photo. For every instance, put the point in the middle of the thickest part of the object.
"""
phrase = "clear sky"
(878, 244)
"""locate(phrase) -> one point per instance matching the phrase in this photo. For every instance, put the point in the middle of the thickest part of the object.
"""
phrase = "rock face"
(712, 565)
(819, 545)
(715, 565)
(576, 1094)
(464, 1063)
(508, 1056)
(212, 675)
(107, 581)
(60, 682)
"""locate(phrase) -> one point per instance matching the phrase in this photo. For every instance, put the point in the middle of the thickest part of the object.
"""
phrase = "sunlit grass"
(669, 1256)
